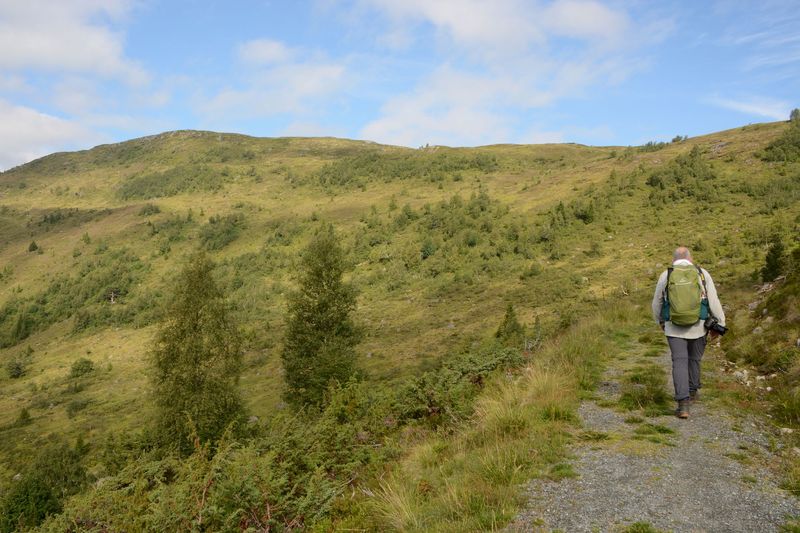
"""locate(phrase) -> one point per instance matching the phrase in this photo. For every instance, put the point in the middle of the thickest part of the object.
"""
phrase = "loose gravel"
(709, 475)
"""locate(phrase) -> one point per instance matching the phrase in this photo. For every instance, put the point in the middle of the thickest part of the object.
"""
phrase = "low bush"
(785, 148)
(54, 474)
(15, 368)
(149, 209)
(81, 367)
(176, 180)
(221, 231)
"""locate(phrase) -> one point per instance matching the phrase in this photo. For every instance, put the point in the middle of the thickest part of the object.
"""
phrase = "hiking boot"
(683, 409)
(694, 396)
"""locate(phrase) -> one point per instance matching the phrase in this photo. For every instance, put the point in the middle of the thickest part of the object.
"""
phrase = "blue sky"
(76, 73)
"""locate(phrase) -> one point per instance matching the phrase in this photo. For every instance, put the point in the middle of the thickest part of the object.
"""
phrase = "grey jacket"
(696, 330)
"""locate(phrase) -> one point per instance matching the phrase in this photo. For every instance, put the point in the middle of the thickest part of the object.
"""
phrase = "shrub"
(24, 418)
(81, 367)
(428, 248)
(176, 180)
(75, 406)
(688, 175)
(221, 231)
(15, 368)
(32, 247)
(785, 148)
(510, 333)
(55, 473)
(775, 261)
(149, 209)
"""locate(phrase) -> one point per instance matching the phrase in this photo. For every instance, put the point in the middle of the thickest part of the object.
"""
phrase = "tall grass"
(469, 480)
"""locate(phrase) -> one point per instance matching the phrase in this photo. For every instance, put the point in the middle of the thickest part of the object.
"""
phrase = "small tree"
(197, 360)
(775, 260)
(321, 335)
(32, 247)
(794, 116)
(510, 332)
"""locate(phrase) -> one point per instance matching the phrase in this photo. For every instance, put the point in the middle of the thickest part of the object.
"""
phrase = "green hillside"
(439, 241)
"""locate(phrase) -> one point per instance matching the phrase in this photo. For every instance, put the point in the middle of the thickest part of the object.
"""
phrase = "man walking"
(685, 296)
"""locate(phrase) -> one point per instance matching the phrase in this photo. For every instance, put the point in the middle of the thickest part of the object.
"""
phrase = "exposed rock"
(758, 330)
(786, 431)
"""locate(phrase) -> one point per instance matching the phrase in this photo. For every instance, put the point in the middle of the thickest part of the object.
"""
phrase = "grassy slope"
(409, 324)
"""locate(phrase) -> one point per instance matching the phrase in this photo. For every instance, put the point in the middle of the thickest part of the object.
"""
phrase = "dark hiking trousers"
(686, 355)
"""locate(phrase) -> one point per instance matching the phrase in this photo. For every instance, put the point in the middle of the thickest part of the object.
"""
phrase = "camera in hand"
(712, 324)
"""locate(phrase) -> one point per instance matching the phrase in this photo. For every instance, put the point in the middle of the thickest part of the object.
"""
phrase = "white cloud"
(284, 89)
(500, 26)
(26, 134)
(503, 27)
(264, 52)
(66, 36)
(513, 65)
(763, 107)
(585, 19)
(276, 80)
(450, 107)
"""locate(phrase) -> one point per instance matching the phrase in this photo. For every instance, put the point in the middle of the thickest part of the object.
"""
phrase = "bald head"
(681, 252)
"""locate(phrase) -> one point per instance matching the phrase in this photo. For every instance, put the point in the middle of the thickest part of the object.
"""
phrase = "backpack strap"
(664, 295)
(665, 299)
(702, 280)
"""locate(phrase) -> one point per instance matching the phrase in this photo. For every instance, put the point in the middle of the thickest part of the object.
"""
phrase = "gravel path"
(709, 475)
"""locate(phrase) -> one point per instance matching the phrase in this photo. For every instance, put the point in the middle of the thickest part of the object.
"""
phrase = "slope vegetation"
(440, 241)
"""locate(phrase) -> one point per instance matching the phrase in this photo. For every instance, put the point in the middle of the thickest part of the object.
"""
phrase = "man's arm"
(658, 301)
(714, 304)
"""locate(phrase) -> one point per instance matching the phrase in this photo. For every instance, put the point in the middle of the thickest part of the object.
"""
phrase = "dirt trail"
(711, 474)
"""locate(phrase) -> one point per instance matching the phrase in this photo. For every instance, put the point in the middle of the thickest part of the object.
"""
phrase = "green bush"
(176, 180)
(355, 170)
(785, 148)
(76, 406)
(54, 474)
(775, 261)
(221, 231)
(81, 367)
(15, 368)
(24, 418)
(149, 209)
(510, 332)
(686, 176)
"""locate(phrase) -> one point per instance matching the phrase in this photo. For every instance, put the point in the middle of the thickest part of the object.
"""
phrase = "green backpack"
(685, 300)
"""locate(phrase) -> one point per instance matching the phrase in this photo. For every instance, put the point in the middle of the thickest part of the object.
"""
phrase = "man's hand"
(662, 325)
(713, 334)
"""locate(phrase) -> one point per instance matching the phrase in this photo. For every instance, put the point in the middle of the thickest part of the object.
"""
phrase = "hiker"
(682, 307)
